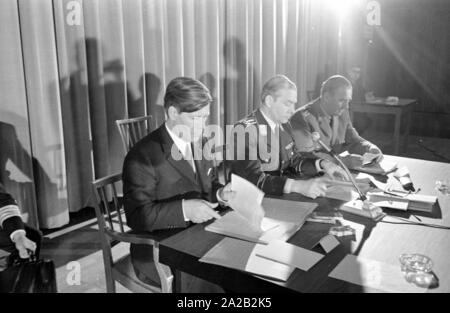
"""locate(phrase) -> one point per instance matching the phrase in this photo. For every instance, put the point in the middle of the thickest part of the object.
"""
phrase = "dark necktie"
(197, 168)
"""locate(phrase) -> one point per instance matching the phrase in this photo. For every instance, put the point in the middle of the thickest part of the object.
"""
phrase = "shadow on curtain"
(115, 64)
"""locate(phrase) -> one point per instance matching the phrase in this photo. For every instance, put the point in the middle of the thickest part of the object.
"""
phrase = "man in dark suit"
(166, 187)
(269, 158)
(13, 232)
(329, 116)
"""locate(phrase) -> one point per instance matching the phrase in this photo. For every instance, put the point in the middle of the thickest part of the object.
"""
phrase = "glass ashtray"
(416, 263)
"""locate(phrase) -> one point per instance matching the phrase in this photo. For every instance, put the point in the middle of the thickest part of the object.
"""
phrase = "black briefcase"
(28, 276)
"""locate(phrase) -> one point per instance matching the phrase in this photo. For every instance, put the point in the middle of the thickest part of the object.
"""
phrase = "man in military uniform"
(329, 116)
(269, 158)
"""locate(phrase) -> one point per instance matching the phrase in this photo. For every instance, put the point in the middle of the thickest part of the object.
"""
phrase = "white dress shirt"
(183, 146)
(185, 149)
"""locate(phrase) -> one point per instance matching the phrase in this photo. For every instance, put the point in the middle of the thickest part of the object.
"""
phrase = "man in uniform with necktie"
(329, 116)
(269, 158)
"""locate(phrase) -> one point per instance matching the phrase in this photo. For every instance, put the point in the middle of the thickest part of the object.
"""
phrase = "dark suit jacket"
(341, 136)
(154, 184)
(267, 173)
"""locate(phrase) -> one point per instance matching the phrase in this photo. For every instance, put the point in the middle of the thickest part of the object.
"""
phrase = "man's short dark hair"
(186, 95)
(274, 84)
(333, 83)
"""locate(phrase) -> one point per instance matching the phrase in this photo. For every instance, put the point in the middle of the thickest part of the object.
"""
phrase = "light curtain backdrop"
(63, 86)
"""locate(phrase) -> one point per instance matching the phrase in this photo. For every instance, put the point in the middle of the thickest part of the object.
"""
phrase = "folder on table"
(289, 254)
(249, 221)
(242, 255)
(403, 201)
(287, 210)
(232, 224)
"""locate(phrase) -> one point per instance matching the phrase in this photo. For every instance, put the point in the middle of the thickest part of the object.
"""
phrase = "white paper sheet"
(328, 243)
(241, 255)
(234, 225)
(289, 254)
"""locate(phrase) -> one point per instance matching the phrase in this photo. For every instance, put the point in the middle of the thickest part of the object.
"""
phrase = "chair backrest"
(134, 129)
(109, 208)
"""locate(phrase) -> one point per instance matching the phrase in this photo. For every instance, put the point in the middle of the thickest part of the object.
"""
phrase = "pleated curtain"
(66, 78)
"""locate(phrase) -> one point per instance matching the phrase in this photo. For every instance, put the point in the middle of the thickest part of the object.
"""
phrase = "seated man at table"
(268, 154)
(165, 187)
(329, 116)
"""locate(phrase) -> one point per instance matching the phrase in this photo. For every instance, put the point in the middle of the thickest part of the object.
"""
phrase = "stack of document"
(403, 201)
(276, 260)
(248, 220)
(256, 231)
(241, 255)
(235, 225)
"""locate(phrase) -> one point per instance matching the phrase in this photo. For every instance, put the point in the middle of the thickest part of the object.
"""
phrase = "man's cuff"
(319, 169)
(219, 199)
(184, 214)
(16, 232)
(288, 186)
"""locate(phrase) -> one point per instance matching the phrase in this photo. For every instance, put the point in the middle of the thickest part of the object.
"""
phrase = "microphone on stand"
(316, 138)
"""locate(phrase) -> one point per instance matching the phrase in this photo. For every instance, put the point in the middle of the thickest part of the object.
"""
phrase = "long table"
(383, 242)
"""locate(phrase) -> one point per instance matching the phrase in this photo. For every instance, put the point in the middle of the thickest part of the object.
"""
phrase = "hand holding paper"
(199, 211)
(226, 193)
(247, 201)
(248, 222)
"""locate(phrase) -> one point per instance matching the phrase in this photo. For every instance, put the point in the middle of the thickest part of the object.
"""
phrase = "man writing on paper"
(267, 130)
(164, 186)
(329, 116)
